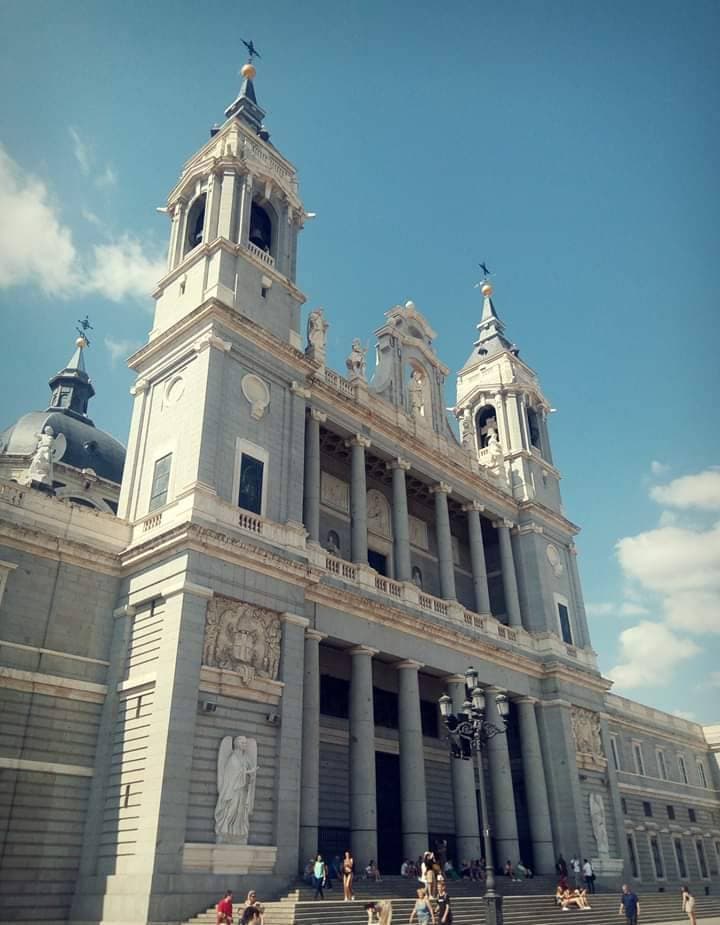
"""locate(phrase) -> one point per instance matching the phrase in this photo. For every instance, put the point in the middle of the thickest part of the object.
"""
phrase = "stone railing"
(276, 166)
(338, 382)
(149, 523)
(433, 604)
(261, 255)
(340, 568)
(388, 586)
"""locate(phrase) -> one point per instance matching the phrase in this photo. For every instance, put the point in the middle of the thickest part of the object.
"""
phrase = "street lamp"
(469, 731)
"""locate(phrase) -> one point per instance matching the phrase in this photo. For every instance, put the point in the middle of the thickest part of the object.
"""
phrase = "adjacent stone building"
(224, 649)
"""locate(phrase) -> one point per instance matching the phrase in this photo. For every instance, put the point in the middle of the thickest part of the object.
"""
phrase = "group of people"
(519, 872)
(432, 910)
(320, 874)
(581, 873)
(571, 899)
(252, 911)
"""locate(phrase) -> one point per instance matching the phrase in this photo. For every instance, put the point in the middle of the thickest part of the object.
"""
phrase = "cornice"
(649, 728)
(66, 550)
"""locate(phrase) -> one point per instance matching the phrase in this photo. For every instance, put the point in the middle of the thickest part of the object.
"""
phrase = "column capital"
(315, 635)
(140, 386)
(503, 522)
(525, 699)
(212, 340)
(294, 618)
(297, 388)
(441, 488)
(398, 463)
(358, 440)
(474, 506)
(363, 650)
(455, 679)
(318, 415)
(410, 663)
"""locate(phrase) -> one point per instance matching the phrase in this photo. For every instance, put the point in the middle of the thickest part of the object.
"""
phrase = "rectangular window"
(385, 708)
(334, 696)
(632, 857)
(671, 812)
(160, 482)
(564, 617)
(702, 862)
(251, 484)
(691, 814)
(647, 808)
(429, 719)
(657, 857)
(683, 769)
(680, 858)
(615, 753)
(639, 763)
(701, 774)
(623, 803)
(662, 769)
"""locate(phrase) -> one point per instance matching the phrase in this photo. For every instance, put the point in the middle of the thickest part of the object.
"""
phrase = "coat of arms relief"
(588, 741)
(242, 638)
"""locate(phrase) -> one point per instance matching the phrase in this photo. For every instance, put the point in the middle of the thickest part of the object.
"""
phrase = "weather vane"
(83, 327)
(486, 272)
(252, 51)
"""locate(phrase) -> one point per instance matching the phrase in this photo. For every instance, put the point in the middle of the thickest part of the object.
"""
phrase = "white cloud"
(631, 609)
(658, 468)
(107, 178)
(691, 491)
(81, 151)
(123, 270)
(648, 654)
(120, 349)
(609, 609)
(35, 247)
(92, 218)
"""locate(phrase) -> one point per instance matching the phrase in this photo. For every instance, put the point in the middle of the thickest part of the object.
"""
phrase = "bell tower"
(236, 215)
(503, 413)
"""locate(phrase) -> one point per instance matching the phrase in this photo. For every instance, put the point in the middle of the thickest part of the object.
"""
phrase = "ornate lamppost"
(469, 731)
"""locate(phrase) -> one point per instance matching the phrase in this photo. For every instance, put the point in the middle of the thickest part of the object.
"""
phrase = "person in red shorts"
(224, 909)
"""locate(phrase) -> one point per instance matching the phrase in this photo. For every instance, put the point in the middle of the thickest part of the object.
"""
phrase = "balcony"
(260, 254)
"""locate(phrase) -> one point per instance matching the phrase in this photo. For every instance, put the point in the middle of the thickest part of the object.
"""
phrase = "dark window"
(632, 856)
(657, 857)
(260, 228)
(377, 561)
(486, 426)
(195, 223)
(160, 482)
(683, 769)
(623, 803)
(647, 808)
(385, 707)
(691, 815)
(671, 812)
(680, 857)
(113, 505)
(429, 719)
(251, 484)
(565, 624)
(534, 428)
(334, 696)
(702, 863)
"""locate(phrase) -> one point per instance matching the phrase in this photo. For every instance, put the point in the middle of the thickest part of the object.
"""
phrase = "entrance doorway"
(389, 821)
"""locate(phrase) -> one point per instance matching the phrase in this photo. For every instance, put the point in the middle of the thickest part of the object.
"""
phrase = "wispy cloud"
(107, 178)
(648, 653)
(85, 156)
(657, 468)
(120, 349)
(700, 491)
(82, 152)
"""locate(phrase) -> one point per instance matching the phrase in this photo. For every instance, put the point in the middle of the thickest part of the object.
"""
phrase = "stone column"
(400, 523)
(227, 221)
(413, 803)
(545, 436)
(503, 798)
(176, 234)
(358, 499)
(509, 578)
(467, 826)
(311, 492)
(363, 806)
(310, 774)
(246, 207)
(535, 787)
(477, 557)
(581, 621)
(444, 541)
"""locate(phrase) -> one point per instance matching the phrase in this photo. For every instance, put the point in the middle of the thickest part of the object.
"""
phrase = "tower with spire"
(503, 412)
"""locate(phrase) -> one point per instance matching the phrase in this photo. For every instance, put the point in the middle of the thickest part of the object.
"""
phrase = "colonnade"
(413, 791)
(358, 446)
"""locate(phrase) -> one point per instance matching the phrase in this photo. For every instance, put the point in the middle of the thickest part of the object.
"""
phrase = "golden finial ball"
(487, 290)
(81, 342)
(248, 71)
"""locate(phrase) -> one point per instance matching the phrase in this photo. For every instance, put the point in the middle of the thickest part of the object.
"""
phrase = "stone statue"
(242, 638)
(236, 772)
(356, 361)
(415, 392)
(49, 449)
(317, 328)
(599, 824)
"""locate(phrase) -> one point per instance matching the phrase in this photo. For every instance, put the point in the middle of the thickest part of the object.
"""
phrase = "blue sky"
(572, 145)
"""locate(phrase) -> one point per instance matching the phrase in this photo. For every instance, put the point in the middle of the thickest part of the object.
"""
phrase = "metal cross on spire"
(252, 50)
(83, 327)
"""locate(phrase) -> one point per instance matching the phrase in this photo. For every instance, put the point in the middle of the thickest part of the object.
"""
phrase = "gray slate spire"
(491, 331)
(246, 105)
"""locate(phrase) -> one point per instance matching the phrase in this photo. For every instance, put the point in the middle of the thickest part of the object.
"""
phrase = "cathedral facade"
(225, 651)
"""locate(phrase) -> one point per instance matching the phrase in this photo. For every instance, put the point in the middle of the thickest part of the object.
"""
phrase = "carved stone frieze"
(588, 743)
(242, 638)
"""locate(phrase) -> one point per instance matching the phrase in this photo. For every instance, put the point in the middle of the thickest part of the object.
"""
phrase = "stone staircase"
(529, 902)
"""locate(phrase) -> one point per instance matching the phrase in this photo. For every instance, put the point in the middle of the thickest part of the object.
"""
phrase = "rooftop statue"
(356, 361)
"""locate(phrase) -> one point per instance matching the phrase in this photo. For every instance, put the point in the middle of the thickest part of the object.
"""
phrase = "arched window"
(486, 426)
(534, 428)
(333, 542)
(417, 577)
(195, 224)
(261, 228)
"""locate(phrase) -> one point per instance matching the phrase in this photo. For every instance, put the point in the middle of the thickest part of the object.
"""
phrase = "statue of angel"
(599, 824)
(236, 772)
(49, 449)
(356, 361)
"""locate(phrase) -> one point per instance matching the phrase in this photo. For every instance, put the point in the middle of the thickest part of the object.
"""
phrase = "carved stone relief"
(378, 513)
(242, 638)
(553, 557)
(418, 532)
(257, 394)
(334, 492)
(586, 730)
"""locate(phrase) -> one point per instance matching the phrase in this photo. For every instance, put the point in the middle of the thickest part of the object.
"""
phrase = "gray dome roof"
(87, 446)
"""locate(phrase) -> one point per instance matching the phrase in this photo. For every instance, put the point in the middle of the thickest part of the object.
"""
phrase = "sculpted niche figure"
(236, 772)
(599, 824)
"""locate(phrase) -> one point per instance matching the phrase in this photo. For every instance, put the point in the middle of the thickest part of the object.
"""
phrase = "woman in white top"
(688, 904)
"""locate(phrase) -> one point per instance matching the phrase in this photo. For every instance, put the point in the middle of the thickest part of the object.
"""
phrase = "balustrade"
(261, 255)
